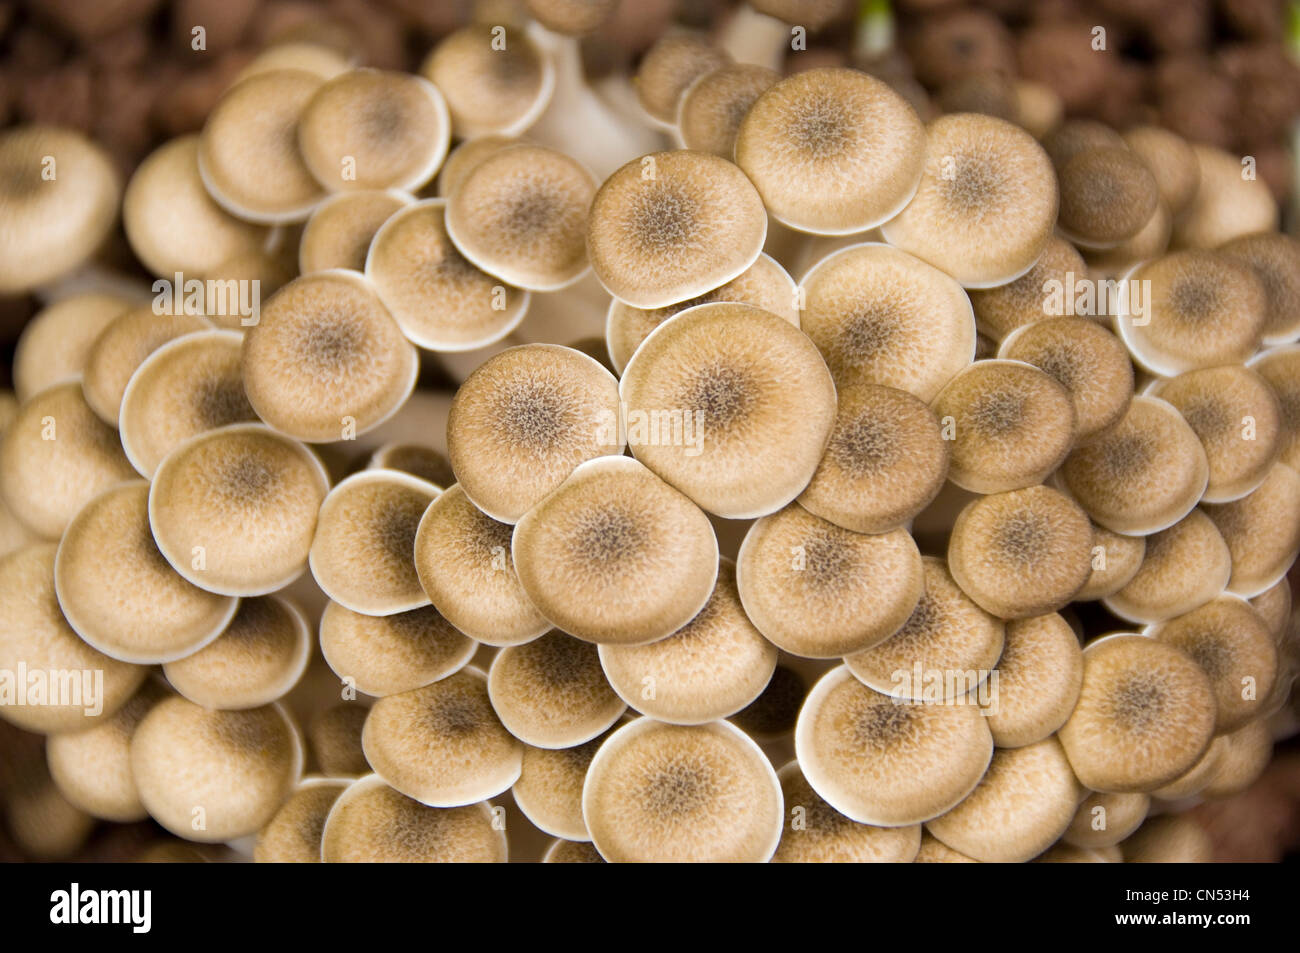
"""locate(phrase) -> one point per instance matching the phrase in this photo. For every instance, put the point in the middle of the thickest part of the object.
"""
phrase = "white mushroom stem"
(873, 31)
(567, 315)
(753, 37)
(580, 123)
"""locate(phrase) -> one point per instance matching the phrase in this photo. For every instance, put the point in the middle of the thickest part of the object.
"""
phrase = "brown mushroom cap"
(56, 456)
(58, 200)
(817, 833)
(820, 591)
(673, 225)
(1143, 474)
(412, 261)
(374, 129)
(616, 555)
(675, 793)
(752, 388)
(35, 636)
(248, 150)
(886, 461)
(340, 230)
(1022, 553)
(371, 822)
(120, 595)
(1200, 309)
(55, 344)
(986, 204)
(711, 109)
(1145, 715)
(494, 82)
(879, 762)
(234, 510)
(521, 214)
(883, 316)
(172, 222)
(331, 326)
(832, 151)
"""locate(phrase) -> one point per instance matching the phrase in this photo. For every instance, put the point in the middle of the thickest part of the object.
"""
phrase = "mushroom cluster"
(814, 483)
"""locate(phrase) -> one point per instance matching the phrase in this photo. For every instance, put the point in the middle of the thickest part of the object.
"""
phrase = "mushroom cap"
(234, 510)
(549, 789)
(255, 660)
(712, 667)
(330, 326)
(521, 214)
(675, 60)
(340, 230)
(55, 344)
(1021, 806)
(1275, 259)
(1171, 160)
(1262, 530)
(55, 457)
(371, 822)
(58, 202)
(885, 462)
(883, 316)
(173, 224)
(92, 767)
(1021, 553)
(1280, 367)
(390, 654)
(1145, 715)
(571, 17)
(1004, 308)
(443, 744)
(412, 261)
(1013, 425)
(1116, 560)
(248, 149)
(880, 762)
(1198, 309)
(754, 390)
(363, 552)
(986, 204)
(674, 225)
(817, 590)
(817, 833)
(119, 594)
(1233, 645)
(1238, 419)
(494, 78)
(293, 836)
(832, 151)
(552, 692)
(675, 793)
(524, 419)
(947, 638)
(1226, 204)
(1143, 474)
(1086, 359)
(711, 109)
(1107, 196)
(35, 635)
(213, 776)
(122, 347)
(464, 562)
(1182, 567)
(190, 384)
(1039, 676)
(616, 555)
(374, 129)
(766, 284)
(1103, 820)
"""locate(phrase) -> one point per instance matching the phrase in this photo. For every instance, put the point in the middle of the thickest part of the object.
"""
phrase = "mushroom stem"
(577, 121)
(753, 37)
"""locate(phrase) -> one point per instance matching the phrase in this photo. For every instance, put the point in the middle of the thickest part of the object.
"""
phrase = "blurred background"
(1220, 72)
